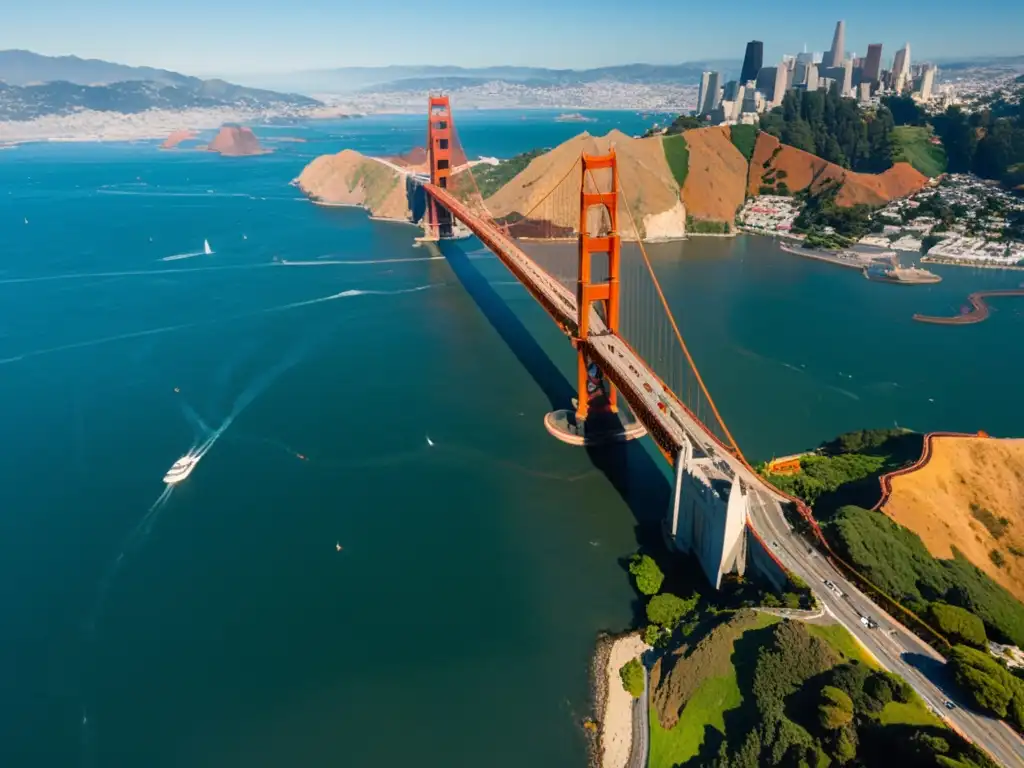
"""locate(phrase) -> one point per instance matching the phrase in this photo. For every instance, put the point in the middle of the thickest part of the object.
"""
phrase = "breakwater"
(979, 309)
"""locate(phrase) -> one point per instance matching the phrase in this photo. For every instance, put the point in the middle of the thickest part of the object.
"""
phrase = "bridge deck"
(666, 418)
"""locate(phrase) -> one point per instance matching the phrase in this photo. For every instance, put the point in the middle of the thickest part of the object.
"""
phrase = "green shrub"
(958, 625)
(995, 525)
(632, 674)
(647, 574)
(667, 610)
(835, 710)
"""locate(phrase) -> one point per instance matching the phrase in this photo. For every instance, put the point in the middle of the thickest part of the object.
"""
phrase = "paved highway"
(895, 647)
(670, 422)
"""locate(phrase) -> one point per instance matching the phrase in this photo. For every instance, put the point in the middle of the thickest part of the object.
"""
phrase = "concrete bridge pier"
(708, 515)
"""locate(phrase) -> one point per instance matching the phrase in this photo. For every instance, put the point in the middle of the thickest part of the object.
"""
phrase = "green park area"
(913, 144)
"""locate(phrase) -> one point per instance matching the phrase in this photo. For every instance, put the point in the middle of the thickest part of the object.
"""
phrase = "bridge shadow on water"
(629, 467)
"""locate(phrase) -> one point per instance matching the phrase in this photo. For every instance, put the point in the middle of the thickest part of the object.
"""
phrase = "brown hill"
(236, 141)
(715, 185)
(970, 495)
(549, 187)
(803, 170)
(349, 178)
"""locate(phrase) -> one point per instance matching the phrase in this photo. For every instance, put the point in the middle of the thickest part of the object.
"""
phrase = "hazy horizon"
(194, 37)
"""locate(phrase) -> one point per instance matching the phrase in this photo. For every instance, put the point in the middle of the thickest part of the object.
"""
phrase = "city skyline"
(196, 38)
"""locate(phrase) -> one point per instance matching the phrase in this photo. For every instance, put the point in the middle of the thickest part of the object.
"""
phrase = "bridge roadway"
(891, 643)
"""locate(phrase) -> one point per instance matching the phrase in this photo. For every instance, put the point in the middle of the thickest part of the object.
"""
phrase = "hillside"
(349, 178)
(33, 86)
(643, 172)
(774, 163)
(716, 181)
(970, 495)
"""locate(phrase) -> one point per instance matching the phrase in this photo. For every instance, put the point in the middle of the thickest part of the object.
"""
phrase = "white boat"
(181, 469)
(206, 247)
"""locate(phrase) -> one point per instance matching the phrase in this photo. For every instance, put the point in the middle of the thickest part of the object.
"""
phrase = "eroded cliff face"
(349, 178)
(236, 141)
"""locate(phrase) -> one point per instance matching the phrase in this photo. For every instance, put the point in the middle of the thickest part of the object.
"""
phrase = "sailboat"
(206, 247)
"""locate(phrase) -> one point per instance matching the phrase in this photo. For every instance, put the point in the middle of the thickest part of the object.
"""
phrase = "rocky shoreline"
(610, 734)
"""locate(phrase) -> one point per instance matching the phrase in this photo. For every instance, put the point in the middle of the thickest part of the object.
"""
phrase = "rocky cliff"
(236, 141)
(349, 178)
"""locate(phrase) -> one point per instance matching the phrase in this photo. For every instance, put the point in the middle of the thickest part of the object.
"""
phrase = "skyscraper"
(702, 94)
(752, 61)
(901, 68)
(712, 93)
(873, 64)
(782, 75)
(812, 77)
(927, 82)
(834, 58)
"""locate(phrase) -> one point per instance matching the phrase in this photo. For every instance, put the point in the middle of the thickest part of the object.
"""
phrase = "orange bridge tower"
(596, 418)
(439, 156)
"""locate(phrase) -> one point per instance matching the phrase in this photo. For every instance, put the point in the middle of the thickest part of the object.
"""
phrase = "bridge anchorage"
(595, 418)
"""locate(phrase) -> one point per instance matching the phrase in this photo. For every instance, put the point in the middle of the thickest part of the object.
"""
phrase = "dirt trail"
(936, 503)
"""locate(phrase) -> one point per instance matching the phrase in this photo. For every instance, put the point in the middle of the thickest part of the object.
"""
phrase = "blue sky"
(207, 37)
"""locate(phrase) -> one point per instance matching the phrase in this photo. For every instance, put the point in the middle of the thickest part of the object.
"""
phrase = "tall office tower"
(812, 77)
(846, 89)
(864, 92)
(712, 94)
(901, 68)
(731, 90)
(873, 63)
(927, 82)
(702, 93)
(782, 75)
(753, 59)
(834, 58)
(766, 79)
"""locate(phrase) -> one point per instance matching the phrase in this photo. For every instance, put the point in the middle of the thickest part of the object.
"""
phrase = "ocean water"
(219, 624)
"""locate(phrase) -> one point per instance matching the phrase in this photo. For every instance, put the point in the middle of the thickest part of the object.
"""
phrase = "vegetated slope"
(913, 144)
(349, 178)
(651, 191)
(714, 188)
(786, 696)
(968, 497)
(802, 170)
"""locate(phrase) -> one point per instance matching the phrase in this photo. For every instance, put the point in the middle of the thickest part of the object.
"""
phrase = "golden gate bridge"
(606, 298)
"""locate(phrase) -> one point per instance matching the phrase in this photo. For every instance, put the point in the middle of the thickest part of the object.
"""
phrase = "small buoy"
(338, 546)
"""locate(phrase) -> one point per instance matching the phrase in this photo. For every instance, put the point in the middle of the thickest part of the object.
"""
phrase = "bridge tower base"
(595, 418)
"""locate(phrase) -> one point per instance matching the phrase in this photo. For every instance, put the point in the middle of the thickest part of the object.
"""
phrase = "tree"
(667, 610)
(632, 674)
(647, 574)
(988, 685)
(960, 626)
(846, 745)
(835, 710)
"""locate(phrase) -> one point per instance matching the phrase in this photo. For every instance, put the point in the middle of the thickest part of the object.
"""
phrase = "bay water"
(382, 557)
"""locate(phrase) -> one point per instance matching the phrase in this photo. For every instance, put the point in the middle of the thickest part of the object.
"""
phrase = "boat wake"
(323, 261)
(180, 256)
(182, 326)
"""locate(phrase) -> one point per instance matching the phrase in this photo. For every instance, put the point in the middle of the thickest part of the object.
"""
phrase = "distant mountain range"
(32, 86)
(397, 78)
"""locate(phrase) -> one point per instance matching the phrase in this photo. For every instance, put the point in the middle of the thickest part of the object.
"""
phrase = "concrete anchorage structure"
(707, 517)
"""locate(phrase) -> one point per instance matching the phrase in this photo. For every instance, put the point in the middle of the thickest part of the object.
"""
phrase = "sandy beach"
(617, 717)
